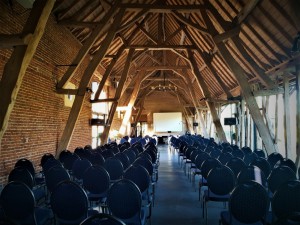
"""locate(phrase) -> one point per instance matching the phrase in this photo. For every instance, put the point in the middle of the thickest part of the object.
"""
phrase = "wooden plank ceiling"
(258, 34)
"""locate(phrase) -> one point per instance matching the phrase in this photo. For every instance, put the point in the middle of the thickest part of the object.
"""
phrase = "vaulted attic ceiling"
(258, 34)
(204, 51)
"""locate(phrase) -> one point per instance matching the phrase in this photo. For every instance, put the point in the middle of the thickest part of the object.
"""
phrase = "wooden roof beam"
(88, 44)
(246, 11)
(161, 8)
(204, 88)
(160, 47)
(85, 80)
(246, 90)
(114, 105)
(15, 68)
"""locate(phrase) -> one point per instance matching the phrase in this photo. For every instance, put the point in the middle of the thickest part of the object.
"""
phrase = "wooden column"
(79, 98)
(132, 100)
(298, 114)
(239, 74)
(113, 108)
(287, 125)
(206, 94)
(20, 59)
(189, 125)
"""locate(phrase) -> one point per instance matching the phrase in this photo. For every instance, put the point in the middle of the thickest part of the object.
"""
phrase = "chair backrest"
(26, 163)
(17, 202)
(286, 199)
(236, 165)
(260, 153)
(51, 163)
(286, 162)
(21, 174)
(124, 200)
(249, 158)
(96, 158)
(249, 202)
(69, 160)
(124, 159)
(238, 153)
(79, 167)
(138, 175)
(54, 176)
(145, 162)
(273, 158)
(209, 164)
(253, 173)
(96, 180)
(45, 158)
(215, 153)
(102, 219)
(263, 164)
(69, 203)
(221, 180)
(200, 158)
(114, 167)
(225, 157)
(279, 176)
(130, 154)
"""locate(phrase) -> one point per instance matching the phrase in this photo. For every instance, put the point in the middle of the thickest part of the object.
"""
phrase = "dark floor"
(176, 200)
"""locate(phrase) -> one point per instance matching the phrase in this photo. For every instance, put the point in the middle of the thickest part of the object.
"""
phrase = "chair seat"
(210, 196)
(42, 215)
(225, 219)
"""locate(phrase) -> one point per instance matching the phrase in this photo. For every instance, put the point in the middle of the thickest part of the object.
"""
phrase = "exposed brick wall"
(39, 115)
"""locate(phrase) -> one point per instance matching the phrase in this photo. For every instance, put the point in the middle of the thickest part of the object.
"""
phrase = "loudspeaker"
(97, 122)
(133, 125)
(230, 121)
(195, 124)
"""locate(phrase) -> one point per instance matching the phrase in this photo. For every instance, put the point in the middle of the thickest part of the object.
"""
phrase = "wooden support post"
(189, 125)
(298, 115)
(245, 87)
(242, 123)
(113, 108)
(206, 94)
(287, 125)
(132, 100)
(78, 102)
(20, 59)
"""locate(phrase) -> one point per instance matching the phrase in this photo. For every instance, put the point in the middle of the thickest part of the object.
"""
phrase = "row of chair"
(230, 174)
(140, 170)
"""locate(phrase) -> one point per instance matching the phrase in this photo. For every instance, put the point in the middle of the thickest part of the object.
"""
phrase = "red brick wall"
(39, 115)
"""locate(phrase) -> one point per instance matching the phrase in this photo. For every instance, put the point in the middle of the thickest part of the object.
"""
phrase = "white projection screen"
(164, 122)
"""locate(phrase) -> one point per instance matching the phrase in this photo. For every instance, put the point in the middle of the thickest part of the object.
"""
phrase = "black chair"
(225, 157)
(115, 169)
(248, 204)
(45, 158)
(23, 175)
(69, 204)
(27, 164)
(79, 167)
(263, 164)
(124, 201)
(18, 204)
(286, 202)
(236, 165)
(260, 153)
(206, 166)
(286, 162)
(279, 176)
(96, 182)
(220, 181)
(51, 163)
(249, 158)
(54, 176)
(291, 219)
(273, 158)
(238, 153)
(68, 161)
(252, 173)
(124, 159)
(102, 219)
